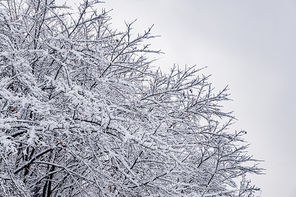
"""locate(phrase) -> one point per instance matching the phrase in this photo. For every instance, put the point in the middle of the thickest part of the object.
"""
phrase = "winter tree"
(83, 113)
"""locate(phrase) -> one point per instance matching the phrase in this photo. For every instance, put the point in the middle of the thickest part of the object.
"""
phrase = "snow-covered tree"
(83, 113)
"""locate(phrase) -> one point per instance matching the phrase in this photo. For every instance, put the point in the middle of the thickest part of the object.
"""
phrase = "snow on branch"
(83, 114)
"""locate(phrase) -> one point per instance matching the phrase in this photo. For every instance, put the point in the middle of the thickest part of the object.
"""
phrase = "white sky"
(248, 45)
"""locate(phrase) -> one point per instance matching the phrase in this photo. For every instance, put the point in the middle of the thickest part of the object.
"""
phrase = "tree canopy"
(83, 113)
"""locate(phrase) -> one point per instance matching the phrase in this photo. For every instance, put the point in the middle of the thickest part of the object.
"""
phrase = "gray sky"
(248, 45)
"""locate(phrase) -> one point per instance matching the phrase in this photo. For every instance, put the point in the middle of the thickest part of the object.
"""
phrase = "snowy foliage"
(83, 114)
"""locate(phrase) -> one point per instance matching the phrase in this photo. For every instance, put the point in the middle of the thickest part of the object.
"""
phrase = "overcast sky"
(248, 45)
